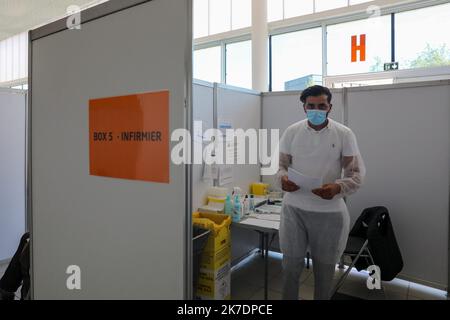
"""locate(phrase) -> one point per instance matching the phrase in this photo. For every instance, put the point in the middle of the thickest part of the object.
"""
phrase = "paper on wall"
(225, 175)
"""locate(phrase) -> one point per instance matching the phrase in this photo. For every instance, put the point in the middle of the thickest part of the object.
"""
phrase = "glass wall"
(323, 5)
(14, 58)
(284, 9)
(295, 8)
(296, 56)
(422, 37)
(217, 16)
(239, 64)
(207, 64)
(201, 18)
(359, 46)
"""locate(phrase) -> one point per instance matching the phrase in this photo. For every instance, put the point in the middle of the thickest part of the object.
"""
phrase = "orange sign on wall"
(361, 48)
(129, 137)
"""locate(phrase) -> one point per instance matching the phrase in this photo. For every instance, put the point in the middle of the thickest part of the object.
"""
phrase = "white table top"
(270, 225)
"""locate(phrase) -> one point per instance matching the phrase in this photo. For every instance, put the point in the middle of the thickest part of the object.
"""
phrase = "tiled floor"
(247, 283)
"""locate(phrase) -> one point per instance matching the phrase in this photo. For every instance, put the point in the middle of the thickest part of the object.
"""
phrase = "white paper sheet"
(261, 223)
(267, 209)
(266, 216)
(303, 181)
(225, 174)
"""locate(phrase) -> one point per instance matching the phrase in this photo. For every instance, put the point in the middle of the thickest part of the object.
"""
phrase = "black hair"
(316, 91)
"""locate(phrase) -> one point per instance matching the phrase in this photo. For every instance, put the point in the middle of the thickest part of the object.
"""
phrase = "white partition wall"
(240, 109)
(403, 134)
(203, 110)
(129, 238)
(12, 170)
(215, 105)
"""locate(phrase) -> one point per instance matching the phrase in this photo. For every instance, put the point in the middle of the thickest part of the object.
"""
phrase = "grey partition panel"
(127, 237)
(203, 110)
(12, 170)
(403, 134)
(242, 109)
(281, 109)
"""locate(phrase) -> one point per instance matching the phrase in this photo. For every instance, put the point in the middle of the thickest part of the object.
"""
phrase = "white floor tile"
(395, 295)
(242, 290)
(252, 269)
(426, 293)
(306, 292)
(396, 286)
(250, 277)
(354, 288)
(276, 283)
(272, 295)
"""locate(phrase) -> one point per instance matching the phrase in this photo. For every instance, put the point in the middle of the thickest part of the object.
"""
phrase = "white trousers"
(325, 233)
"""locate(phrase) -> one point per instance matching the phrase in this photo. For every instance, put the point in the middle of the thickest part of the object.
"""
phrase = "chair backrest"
(375, 225)
(370, 218)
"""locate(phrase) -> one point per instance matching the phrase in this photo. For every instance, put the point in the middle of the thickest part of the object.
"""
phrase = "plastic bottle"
(237, 209)
(252, 203)
(246, 206)
(228, 210)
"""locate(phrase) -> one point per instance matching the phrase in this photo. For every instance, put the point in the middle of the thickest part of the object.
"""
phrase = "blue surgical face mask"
(316, 117)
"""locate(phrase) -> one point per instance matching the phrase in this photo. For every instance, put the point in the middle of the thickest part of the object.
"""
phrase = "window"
(422, 37)
(217, 16)
(239, 64)
(359, 46)
(295, 8)
(323, 5)
(220, 16)
(21, 87)
(296, 56)
(201, 11)
(353, 2)
(275, 10)
(207, 64)
(241, 16)
(14, 58)
(284, 9)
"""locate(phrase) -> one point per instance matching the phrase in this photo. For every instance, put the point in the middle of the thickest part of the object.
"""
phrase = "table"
(267, 229)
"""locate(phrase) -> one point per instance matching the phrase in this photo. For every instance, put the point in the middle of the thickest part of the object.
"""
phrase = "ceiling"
(17, 16)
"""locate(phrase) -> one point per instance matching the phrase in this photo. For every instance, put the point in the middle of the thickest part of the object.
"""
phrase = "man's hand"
(288, 185)
(328, 191)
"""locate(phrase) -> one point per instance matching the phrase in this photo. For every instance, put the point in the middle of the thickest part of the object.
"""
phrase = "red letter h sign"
(361, 48)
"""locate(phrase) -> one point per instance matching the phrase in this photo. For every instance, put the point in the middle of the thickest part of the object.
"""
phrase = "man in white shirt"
(317, 147)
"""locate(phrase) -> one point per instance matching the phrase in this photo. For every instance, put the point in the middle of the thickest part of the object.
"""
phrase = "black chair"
(372, 242)
(356, 248)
